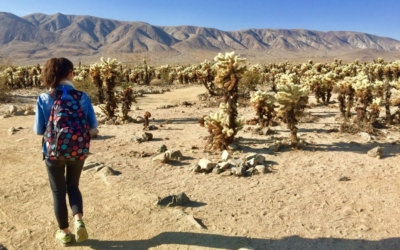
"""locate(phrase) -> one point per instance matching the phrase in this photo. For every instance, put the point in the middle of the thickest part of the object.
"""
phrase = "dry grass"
(89, 88)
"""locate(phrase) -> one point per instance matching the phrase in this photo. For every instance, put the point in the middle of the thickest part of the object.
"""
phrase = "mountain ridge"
(39, 36)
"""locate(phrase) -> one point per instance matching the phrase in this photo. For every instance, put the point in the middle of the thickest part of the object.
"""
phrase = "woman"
(63, 174)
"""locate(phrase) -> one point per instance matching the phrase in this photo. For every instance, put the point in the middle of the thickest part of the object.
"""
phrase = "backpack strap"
(56, 94)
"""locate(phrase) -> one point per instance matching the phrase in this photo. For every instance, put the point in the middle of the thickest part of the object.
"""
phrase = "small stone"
(12, 109)
(261, 169)
(162, 149)
(106, 171)
(136, 108)
(147, 136)
(175, 154)
(29, 112)
(225, 155)
(12, 130)
(344, 178)
(366, 136)
(233, 146)
(94, 132)
(109, 122)
(223, 165)
(238, 171)
(161, 158)
(6, 116)
(137, 139)
(375, 152)
(90, 165)
(206, 165)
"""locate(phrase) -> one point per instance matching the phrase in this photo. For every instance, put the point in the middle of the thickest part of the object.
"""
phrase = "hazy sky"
(378, 17)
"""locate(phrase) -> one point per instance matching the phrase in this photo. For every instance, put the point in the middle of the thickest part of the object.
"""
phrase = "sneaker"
(64, 239)
(80, 231)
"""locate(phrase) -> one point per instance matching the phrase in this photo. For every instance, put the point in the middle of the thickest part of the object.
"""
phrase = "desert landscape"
(290, 140)
(328, 195)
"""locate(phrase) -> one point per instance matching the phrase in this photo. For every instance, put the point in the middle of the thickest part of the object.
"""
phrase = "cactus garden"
(308, 149)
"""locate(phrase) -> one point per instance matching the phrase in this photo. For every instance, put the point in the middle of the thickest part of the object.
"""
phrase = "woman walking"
(64, 116)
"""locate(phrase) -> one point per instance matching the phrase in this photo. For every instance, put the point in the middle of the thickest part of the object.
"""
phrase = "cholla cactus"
(375, 109)
(230, 69)
(264, 105)
(363, 93)
(293, 99)
(206, 77)
(217, 125)
(95, 75)
(109, 71)
(346, 97)
(126, 99)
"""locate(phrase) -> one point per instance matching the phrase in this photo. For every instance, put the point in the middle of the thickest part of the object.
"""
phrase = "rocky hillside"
(39, 36)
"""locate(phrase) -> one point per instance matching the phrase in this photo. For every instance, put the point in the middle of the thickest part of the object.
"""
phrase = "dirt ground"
(330, 195)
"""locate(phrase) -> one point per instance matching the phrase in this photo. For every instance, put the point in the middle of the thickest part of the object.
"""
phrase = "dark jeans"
(61, 183)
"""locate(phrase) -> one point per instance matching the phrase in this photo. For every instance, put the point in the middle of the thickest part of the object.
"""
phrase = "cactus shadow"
(389, 150)
(103, 137)
(218, 241)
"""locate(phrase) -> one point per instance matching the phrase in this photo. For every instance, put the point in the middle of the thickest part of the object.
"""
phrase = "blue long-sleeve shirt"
(43, 108)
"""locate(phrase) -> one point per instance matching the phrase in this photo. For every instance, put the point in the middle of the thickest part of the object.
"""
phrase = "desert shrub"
(88, 87)
(4, 90)
(249, 81)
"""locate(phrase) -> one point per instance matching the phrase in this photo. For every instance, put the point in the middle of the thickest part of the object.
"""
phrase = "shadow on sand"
(233, 242)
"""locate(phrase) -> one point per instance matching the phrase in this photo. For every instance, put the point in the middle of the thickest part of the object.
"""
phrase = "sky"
(377, 17)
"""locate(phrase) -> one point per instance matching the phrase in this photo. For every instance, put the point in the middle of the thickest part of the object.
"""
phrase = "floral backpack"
(67, 135)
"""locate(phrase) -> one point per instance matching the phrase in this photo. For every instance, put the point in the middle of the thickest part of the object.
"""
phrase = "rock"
(90, 165)
(344, 178)
(235, 162)
(2, 247)
(375, 152)
(195, 168)
(147, 136)
(193, 220)
(109, 122)
(137, 139)
(366, 136)
(106, 171)
(136, 108)
(223, 165)
(162, 149)
(153, 127)
(175, 154)
(261, 169)
(180, 199)
(225, 155)
(238, 171)
(94, 132)
(250, 171)
(6, 116)
(29, 112)
(102, 120)
(12, 130)
(233, 146)
(255, 159)
(217, 170)
(12, 109)
(161, 158)
(206, 165)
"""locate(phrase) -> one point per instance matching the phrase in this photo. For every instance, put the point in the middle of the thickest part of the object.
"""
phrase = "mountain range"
(37, 37)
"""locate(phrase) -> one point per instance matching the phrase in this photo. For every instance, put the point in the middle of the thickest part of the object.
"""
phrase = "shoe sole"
(81, 234)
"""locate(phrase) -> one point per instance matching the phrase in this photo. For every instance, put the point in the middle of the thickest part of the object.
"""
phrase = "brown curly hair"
(55, 70)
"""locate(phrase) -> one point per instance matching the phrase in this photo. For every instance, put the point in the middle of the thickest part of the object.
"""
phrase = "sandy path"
(302, 205)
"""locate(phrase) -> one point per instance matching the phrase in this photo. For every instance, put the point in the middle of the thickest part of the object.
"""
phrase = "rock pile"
(252, 164)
